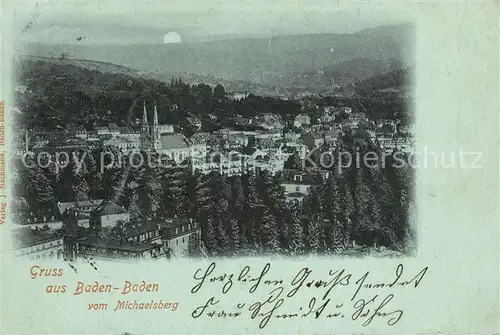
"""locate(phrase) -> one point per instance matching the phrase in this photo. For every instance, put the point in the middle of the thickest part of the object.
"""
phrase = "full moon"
(172, 37)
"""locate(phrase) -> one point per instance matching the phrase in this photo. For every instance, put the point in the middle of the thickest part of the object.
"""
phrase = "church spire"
(144, 115)
(145, 129)
(155, 119)
(156, 129)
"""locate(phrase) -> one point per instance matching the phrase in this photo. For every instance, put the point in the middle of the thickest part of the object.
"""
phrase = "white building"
(128, 133)
(181, 236)
(37, 245)
(302, 120)
(316, 139)
(388, 144)
(229, 164)
(296, 183)
(124, 144)
(110, 213)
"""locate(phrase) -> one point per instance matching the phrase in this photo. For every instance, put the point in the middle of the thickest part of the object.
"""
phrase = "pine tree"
(269, 232)
(172, 192)
(93, 176)
(296, 235)
(347, 209)
(209, 237)
(222, 240)
(150, 195)
(377, 224)
(338, 239)
(203, 198)
(135, 208)
(80, 189)
(238, 212)
(80, 186)
(42, 187)
(330, 198)
(254, 210)
(235, 236)
(362, 195)
(315, 236)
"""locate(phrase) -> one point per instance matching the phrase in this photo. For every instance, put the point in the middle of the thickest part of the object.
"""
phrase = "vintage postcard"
(227, 167)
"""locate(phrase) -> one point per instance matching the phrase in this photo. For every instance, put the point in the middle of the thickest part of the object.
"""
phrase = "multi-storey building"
(37, 244)
(296, 183)
(318, 138)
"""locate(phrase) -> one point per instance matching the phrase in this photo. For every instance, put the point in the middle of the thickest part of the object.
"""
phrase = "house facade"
(110, 213)
(37, 245)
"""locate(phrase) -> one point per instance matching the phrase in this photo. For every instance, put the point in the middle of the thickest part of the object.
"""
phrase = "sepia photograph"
(209, 131)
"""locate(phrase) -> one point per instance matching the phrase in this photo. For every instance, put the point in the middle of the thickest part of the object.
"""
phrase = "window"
(297, 189)
(297, 177)
(183, 240)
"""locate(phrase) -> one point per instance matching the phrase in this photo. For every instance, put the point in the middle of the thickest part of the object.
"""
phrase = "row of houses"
(174, 237)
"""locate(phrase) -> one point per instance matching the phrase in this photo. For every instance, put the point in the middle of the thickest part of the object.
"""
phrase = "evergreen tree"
(222, 240)
(362, 195)
(269, 232)
(94, 178)
(254, 210)
(315, 236)
(296, 235)
(80, 186)
(135, 208)
(235, 236)
(151, 194)
(209, 237)
(338, 241)
(80, 189)
(348, 209)
(42, 188)
(238, 212)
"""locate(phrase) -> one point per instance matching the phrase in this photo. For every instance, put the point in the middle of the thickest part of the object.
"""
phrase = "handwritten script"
(318, 294)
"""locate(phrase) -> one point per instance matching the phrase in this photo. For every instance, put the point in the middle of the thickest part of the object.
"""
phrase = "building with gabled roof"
(109, 213)
(296, 183)
(37, 244)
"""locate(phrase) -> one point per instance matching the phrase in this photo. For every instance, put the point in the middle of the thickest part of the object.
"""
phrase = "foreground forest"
(247, 214)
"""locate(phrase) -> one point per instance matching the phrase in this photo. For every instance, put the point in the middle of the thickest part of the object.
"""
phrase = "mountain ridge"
(259, 60)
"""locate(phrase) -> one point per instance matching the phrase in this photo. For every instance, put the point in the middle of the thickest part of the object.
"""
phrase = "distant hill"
(84, 63)
(357, 69)
(262, 60)
(106, 67)
(396, 80)
(55, 93)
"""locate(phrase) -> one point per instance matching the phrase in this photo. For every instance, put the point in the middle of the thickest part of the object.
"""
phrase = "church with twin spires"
(151, 136)
(161, 138)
